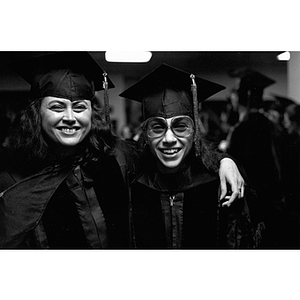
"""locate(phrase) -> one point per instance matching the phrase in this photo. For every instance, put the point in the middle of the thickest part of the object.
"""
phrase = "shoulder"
(3, 158)
(127, 156)
(6, 178)
(126, 152)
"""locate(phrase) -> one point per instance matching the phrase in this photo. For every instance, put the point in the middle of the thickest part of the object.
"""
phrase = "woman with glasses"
(176, 196)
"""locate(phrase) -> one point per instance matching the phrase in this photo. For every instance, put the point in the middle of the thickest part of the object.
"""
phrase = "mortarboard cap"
(250, 86)
(163, 92)
(251, 78)
(281, 103)
(168, 92)
(72, 75)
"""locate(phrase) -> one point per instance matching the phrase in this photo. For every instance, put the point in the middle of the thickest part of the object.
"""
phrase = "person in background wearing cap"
(176, 195)
(251, 141)
(275, 112)
(291, 174)
(64, 188)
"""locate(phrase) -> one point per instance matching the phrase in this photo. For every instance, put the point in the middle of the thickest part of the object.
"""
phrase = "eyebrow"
(66, 101)
(78, 101)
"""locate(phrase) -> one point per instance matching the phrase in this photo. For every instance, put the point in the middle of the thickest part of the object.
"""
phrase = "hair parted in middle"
(30, 144)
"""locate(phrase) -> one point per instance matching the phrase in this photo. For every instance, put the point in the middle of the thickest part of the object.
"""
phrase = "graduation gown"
(182, 210)
(77, 207)
(251, 143)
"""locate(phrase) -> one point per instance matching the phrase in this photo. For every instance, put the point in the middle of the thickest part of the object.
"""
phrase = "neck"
(165, 170)
(64, 154)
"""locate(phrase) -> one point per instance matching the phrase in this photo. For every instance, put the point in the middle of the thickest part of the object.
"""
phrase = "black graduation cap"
(68, 74)
(250, 81)
(167, 76)
(281, 103)
(251, 78)
(168, 91)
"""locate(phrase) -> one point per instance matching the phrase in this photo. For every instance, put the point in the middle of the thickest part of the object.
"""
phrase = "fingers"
(240, 183)
(242, 191)
(230, 199)
(230, 180)
(223, 186)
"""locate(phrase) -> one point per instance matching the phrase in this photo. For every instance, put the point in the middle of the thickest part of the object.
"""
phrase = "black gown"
(252, 144)
(183, 211)
(79, 207)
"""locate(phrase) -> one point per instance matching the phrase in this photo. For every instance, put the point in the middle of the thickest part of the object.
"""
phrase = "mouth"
(170, 151)
(68, 130)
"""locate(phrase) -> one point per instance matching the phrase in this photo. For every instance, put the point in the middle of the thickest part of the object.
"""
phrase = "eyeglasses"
(181, 126)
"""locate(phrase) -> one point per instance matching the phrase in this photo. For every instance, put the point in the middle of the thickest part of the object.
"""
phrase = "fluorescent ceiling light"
(285, 56)
(128, 56)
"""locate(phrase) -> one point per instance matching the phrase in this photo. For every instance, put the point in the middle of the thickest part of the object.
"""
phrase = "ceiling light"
(285, 56)
(128, 56)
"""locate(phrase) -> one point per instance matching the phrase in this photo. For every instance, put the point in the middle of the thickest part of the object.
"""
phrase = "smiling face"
(171, 142)
(66, 122)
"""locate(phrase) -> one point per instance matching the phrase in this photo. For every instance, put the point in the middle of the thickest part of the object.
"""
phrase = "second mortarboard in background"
(281, 103)
(252, 78)
(163, 92)
(72, 75)
(250, 86)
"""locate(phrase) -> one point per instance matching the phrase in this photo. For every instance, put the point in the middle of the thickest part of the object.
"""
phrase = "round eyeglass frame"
(184, 135)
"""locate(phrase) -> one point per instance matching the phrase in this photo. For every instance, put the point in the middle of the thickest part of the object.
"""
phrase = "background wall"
(293, 76)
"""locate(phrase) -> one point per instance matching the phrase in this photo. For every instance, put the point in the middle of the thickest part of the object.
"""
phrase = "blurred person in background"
(252, 143)
(291, 174)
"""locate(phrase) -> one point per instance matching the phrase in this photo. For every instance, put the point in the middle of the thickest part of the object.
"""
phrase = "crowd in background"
(274, 123)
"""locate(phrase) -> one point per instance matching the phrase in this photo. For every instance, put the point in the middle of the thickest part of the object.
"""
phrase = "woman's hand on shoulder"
(230, 177)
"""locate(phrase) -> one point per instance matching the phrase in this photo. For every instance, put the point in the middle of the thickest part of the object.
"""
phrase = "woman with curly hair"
(63, 187)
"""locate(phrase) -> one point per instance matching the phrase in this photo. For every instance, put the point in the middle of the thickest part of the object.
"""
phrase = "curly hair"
(28, 146)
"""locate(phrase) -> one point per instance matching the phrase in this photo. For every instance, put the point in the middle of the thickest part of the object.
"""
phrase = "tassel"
(258, 234)
(196, 116)
(106, 100)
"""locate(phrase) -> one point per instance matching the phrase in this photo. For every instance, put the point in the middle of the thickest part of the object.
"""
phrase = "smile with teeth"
(170, 151)
(68, 130)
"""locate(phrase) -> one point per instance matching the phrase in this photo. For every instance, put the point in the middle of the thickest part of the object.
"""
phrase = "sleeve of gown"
(244, 227)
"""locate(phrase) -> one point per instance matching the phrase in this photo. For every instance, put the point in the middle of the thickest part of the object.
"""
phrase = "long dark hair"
(29, 149)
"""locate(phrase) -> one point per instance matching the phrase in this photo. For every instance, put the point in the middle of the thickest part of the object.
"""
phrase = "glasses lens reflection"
(181, 126)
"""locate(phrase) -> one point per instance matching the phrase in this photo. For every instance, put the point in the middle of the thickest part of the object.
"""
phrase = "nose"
(169, 136)
(69, 116)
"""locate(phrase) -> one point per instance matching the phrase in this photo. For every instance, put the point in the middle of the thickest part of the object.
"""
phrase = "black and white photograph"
(149, 150)
(149, 169)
